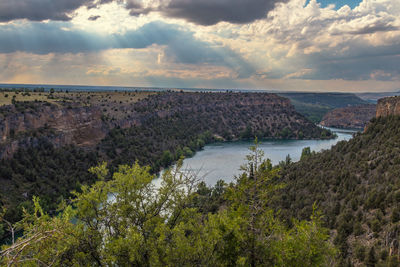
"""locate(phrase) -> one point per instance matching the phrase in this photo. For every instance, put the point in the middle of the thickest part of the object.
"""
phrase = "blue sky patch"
(338, 3)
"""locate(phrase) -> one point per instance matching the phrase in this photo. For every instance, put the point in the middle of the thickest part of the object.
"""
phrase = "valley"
(48, 147)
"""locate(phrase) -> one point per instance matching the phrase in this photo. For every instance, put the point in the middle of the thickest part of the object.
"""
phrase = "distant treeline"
(39, 89)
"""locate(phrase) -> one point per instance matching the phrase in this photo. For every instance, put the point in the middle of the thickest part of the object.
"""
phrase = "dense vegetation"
(315, 105)
(127, 221)
(166, 127)
(43, 170)
(357, 186)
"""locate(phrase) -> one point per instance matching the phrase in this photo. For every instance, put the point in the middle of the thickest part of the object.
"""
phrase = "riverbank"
(222, 160)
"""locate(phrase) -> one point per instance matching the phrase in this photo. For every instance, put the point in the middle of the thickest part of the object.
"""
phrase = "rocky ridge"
(85, 126)
(81, 126)
(388, 106)
(354, 117)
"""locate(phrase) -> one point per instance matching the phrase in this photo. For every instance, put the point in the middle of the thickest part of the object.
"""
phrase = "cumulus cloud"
(311, 42)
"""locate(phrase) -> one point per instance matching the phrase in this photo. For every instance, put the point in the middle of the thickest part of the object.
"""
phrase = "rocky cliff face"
(228, 115)
(355, 117)
(81, 126)
(388, 106)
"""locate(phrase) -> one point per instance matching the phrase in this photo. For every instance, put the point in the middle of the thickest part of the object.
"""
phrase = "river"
(223, 160)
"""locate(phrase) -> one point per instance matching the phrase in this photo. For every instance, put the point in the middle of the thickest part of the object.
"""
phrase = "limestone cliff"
(388, 106)
(355, 117)
(231, 115)
(81, 126)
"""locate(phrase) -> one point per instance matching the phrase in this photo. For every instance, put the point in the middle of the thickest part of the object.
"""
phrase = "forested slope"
(176, 124)
(356, 184)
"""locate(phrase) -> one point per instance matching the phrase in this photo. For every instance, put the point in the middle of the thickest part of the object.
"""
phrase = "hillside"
(77, 118)
(224, 116)
(355, 117)
(50, 147)
(315, 105)
(356, 185)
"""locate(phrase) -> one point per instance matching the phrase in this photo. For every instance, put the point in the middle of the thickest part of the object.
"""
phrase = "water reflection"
(223, 160)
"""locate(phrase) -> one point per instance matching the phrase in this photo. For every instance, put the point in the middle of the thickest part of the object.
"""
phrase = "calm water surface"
(223, 160)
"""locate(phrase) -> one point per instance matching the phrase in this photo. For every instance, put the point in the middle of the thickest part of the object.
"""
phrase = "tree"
(286, 162)
(116, 222)
(166, 158)
(187, 152)
(371, 258)
(261, 239)
(247, 133)
(305, 153)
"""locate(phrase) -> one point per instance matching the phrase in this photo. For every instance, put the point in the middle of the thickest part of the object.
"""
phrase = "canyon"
(86, 124)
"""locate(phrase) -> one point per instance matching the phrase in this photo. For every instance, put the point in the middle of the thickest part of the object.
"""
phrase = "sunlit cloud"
(285, 45)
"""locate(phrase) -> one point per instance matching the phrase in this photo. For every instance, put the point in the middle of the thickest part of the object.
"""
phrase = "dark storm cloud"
(58, 37)
(181, 45)
(44, 38)
(94, 18)
(204, 12)
(136, 9)
(39, 10)
(360, 62)
(209, 12)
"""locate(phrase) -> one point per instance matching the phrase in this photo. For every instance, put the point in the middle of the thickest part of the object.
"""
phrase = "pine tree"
(371, 258)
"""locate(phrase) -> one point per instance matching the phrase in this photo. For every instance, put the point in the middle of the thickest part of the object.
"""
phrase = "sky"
(299, 45)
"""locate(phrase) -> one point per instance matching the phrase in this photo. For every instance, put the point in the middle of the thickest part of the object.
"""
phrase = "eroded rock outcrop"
(355, 117)
(81, 126)
(388, 106)
(231, 115)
